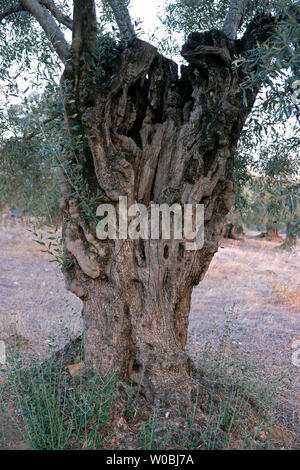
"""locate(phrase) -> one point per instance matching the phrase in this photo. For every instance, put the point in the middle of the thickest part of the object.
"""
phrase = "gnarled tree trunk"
(154, 137)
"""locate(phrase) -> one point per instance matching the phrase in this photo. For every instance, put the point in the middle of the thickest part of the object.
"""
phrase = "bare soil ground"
(259, 285)
(35, 305)
(253, 278)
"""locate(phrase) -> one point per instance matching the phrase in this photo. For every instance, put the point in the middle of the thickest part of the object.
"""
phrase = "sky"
(146, 11)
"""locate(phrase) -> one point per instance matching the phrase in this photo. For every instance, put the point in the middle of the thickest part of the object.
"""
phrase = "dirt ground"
(256, 285)
(35, 306)
(252, 278)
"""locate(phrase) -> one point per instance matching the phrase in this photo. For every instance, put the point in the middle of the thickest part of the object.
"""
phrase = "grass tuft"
(54, 411)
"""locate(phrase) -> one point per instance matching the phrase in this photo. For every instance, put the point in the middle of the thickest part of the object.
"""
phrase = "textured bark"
(123, 19)
(57, 13)
(234, 18)
(153, 137)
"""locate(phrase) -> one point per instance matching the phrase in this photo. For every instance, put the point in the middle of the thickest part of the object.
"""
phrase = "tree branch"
(10, 11)
(123, 19)
(57, 13)
(47, 22)
(258, 31)
(84, 30)
(36, 131)
(234, 18)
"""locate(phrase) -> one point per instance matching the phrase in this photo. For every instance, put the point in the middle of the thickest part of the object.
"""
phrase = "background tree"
(31, 141)
(272, 193)
(281, 201)
(270, 138)
(139, 129)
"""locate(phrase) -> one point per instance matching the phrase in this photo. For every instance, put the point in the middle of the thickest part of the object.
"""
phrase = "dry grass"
(247, 374)
(243, 275)
(286, 295)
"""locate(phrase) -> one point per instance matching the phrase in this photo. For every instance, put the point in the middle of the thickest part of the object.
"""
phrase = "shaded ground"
(253, 279)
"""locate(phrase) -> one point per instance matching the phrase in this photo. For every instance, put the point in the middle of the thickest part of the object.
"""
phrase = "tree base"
(289, 245)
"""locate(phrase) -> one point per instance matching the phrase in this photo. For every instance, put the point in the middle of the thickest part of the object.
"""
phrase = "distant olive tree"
(30, 156)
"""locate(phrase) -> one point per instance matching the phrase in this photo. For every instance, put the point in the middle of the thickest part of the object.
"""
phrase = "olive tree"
(137, 127)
